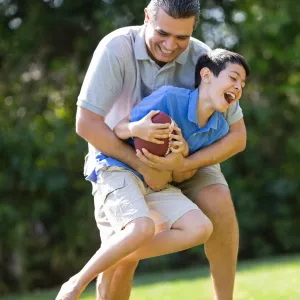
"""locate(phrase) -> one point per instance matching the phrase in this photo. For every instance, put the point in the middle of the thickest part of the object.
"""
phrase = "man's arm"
(233, 143)
(95, 131)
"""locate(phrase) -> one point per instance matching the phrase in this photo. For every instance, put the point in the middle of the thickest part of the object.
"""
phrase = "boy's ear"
(205, 74)
(147, 17)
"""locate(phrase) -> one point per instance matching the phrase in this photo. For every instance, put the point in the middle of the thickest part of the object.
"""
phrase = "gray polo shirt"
(121, 73)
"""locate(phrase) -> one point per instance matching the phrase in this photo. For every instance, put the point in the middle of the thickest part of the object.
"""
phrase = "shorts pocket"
(107, 188)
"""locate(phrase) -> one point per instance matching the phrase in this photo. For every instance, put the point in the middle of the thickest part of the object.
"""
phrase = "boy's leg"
(209, 190)
(122, 201)
(187, 225)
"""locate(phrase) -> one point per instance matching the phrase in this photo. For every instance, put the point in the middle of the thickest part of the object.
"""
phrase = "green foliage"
(46, 210)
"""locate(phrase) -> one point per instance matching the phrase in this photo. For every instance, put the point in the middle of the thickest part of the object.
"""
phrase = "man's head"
(170, 24)
(221, 76)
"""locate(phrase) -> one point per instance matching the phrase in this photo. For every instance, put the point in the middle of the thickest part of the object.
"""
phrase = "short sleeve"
(156, 101)
(103, 82)
(233, 114)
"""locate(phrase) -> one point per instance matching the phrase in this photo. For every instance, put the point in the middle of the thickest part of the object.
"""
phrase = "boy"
(220, 77)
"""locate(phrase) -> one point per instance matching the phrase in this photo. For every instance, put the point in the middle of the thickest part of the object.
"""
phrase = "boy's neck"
(204, 110)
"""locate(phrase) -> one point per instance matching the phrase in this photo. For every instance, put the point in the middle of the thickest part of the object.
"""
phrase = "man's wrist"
(186, 165)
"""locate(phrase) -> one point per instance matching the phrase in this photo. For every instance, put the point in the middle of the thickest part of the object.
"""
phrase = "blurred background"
(47, 227)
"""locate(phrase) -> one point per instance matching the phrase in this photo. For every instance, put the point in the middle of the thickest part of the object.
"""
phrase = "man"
(129, 64)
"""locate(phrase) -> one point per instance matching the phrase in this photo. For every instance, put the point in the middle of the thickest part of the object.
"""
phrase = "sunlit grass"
(272, 279)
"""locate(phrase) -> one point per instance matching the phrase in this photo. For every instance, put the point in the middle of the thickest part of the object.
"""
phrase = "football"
(156, 149)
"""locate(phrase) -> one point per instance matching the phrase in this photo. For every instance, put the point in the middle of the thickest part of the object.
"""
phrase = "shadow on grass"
(185, 274)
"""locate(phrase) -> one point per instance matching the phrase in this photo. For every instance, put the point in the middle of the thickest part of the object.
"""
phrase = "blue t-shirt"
(181, 105)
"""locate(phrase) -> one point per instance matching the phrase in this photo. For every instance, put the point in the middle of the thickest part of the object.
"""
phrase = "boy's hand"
(148, 131)
(178, 143)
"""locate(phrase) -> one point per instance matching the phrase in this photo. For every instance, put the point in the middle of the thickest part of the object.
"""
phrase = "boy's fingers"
(161, 126)
(175, 137)
(152, 113)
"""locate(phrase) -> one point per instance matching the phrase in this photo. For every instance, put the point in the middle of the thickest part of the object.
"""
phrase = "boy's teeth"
(232, 96)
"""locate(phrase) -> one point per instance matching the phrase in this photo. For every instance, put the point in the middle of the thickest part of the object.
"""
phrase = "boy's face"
(227, 88)
(166, 37)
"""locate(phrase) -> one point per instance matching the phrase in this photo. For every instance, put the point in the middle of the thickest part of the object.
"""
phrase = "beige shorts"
(122, 197)
(204, 177)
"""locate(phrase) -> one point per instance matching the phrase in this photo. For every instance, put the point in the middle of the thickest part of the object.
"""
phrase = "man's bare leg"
(222, 247)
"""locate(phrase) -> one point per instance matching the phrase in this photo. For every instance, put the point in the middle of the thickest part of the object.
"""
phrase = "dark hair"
(216, 60)
(177, 9)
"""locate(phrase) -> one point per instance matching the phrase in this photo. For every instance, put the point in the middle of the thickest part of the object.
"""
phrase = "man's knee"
(216, 202)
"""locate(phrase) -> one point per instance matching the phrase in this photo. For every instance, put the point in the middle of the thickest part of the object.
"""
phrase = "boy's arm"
(143, 129)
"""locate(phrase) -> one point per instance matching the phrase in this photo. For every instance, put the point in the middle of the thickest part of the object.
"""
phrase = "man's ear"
(147, 17)
(205, 74)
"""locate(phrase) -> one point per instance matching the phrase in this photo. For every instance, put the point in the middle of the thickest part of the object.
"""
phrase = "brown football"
(156, 149)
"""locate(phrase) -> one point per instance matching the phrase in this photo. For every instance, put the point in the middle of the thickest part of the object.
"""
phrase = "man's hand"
(182, 176)
(173, 161)
(156, 179)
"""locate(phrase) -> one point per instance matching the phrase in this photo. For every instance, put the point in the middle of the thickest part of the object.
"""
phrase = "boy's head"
(170, 24)
(221, 76)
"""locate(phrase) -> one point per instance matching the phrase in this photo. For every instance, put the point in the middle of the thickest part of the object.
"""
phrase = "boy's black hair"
(216, 60)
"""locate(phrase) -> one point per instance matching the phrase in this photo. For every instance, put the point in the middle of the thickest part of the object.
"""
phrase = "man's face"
(166, 37)
(227, 88)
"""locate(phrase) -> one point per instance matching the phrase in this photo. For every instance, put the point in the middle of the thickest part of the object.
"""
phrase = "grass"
(270, 279)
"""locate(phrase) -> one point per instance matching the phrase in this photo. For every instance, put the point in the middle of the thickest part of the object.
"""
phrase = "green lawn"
(272, 279)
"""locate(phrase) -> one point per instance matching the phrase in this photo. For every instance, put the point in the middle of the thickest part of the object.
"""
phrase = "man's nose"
(170, 44)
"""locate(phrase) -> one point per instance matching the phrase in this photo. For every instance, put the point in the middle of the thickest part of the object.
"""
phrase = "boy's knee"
(201, 231)
(143, 228)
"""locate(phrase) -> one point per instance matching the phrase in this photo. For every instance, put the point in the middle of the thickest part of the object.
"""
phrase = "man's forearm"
(98, 134)
(233, 143)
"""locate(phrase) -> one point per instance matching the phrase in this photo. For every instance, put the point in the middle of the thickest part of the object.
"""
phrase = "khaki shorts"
(204, 177)
(122, 197)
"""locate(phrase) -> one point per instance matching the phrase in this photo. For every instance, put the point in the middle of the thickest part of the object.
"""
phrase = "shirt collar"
(193, 109)
(140, 49)
(141, 53)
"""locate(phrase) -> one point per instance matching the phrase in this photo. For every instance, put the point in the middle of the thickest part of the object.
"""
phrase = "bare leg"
(121, 275)
(118, 246)
(190, 230)
(103, 284)
(222, 247)
(124, 275)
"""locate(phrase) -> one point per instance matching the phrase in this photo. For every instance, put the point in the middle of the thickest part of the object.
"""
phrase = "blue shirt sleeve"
(156, 101)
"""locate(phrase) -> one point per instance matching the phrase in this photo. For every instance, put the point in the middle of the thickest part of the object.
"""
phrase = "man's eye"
(234, 79)
(162, 33)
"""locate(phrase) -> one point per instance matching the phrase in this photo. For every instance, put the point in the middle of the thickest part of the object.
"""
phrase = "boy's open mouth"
(229, 97)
